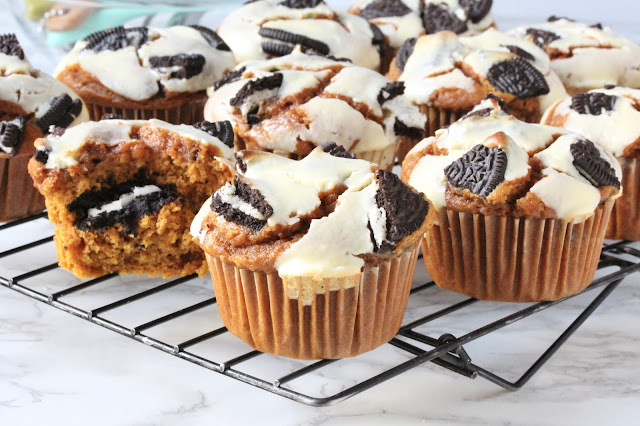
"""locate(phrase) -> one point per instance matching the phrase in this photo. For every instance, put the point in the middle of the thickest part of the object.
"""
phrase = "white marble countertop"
(59, 369)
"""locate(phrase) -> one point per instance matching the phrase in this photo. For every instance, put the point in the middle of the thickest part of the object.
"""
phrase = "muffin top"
(294, 103)
(586, 56)
(446, 71)
(31, 102)
(608, 116)
(322, 216)
(142, 63)
(400, 20)
(491, 163)
(268, 28)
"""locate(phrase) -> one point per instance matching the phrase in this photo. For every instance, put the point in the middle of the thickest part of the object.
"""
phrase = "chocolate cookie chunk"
(404, 52)
(182, 66)
(384, 8)
(438, 17)
(229, 77)
(61, 112)
(401, 129)
(542, 38)
(480, 170)
(518, 77)
(520, 52)
(222, 130)
(337, 150)
(501, 103)
(476, 10)
(404, 208)
(12, 135)
(390, 91)
(116, 38)
(378, 38)
(241, 193)
(587, 159)
(9, 45)
(212, 38)
(301, 4)
(270, 82)
(554, 18)
(592, 103)
(42, 154)
(287, 41)
(241, 166)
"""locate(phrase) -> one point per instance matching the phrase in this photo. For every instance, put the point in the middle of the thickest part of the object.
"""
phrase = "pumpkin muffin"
(143, 72)
(122, 194)
(312, 258)
(522, 208)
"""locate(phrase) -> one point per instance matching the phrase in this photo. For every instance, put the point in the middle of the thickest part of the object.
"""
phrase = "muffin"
(123, 194)
(447, 75)
(400, 20)
(32, 104)
(609, 117)
(271, 28)
(522, 208)
(586, 57)
(143, 73)
(312, 258)
(291, 104)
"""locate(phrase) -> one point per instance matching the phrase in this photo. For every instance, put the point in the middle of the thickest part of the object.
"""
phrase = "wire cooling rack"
(415, 343)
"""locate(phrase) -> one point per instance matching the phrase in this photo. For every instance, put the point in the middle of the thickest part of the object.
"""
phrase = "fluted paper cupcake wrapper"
(303, 318)
(514, 259)
(439, 118)
(18, 197)
(384, 158)
(625, 216)
(188, 113)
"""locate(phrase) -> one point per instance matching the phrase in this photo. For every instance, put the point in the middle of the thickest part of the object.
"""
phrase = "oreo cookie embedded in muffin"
(61, 112)
(300, 4)
(438, 17)
(518, 77)
(286, 41)
(222, 130)
(9, 45)
(542, 38)
(182, 66)
(480, 170)
(592, 103)
(384, 8)
(476, 10)
(116, 38)
(337, 150)
(242, 205)
(390, 91)
(12, 135)
(405, 51)
(271, 82)
(212, 38)
(587, 160)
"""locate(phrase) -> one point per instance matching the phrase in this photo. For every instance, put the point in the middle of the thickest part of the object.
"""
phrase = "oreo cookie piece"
(541, 37)
(518, 77)
(480, 170)
(590, 164)
(301, 4)
(234, 201)
(229, 77)
(212, 38)
(405, 209)
(501, 103)
(62, 111)
(111, 116)
(390, 91)
(12, 135)
(42, 154)
(438, 17)
(476, 10)
(116, 38)
(289, 40)
(520, 52)
(485, 112)
(378, 38)
(592, 103)
(270, 82)
(336, 150)
(401, 129)
(222, 130)
(9, 45)
(554, 18)
(597, 26)
(384, 8)
(182, 66)
(404, 52)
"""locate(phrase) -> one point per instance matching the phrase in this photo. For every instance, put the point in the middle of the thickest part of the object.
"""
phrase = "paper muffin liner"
(511, 259)
(439, 118)
(299, 317)
(625, 217)
(384, 158)
(189, 113)
(18, 197)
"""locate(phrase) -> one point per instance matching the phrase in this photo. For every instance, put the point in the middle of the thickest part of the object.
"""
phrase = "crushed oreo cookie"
(401, 129)
(229, 77)
(12, 135)
(592, 103)
(279, 41)
(480, 170)
(384, 8)
(111, 116)
(91, 214)
(541, 37)
(301, 4)
(554, 18)
(597, 26)
(405, 51)
(242, 193)
(476, 10)
(336, 150)
(588, 161)
(61, 112)
(390, 91)
(212, 38)
(520, 52)
(518, 77)
(42, 154)
(378, 38)
(241, 166)
(222, 130)
(182, 66)
(9, 45)
(501, 103)
(116, 38)
(252, 87)
(485, 112)
(438, 17)
(405, 209)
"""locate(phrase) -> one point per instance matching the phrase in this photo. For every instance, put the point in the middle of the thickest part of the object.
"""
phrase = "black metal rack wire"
(618, 260)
